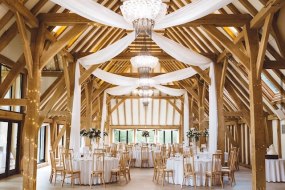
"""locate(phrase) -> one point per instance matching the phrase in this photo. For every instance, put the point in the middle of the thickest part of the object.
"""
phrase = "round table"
(137, 155)
(275, 170)
(85, 167)
(201, 166)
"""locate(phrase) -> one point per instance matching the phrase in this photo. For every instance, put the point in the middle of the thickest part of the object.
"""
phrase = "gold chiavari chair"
(98, 166)
(144, 156)
(188, 169)
(54, 168)
(68, 168)
(230, 171)
(215, 170)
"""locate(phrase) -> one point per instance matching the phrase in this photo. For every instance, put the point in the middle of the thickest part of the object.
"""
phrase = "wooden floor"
(141, 180)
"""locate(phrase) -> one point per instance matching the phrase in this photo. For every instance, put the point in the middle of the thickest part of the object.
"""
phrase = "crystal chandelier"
(143, 14)
(144, 63)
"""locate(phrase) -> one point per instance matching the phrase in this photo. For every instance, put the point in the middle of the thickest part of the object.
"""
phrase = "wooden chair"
(215, 170)
(162, 172)
(121, 171)
(230, 171)
(144, 156)
(54, 168)
(127, 160)
(68, 168)
(113, 150)
(98, 165)
(156, 156)
(188, 169)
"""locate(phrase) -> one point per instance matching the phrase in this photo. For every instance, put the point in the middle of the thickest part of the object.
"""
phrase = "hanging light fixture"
(144, 63)
(143, 14)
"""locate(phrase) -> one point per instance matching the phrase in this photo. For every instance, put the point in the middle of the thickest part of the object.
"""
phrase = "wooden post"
(257, 132)
(31, 125)
(218, 67)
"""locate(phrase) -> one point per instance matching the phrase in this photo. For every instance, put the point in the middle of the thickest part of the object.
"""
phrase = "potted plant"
(145, 134)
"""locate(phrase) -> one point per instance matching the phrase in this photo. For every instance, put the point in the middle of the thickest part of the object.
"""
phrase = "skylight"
(269, 84)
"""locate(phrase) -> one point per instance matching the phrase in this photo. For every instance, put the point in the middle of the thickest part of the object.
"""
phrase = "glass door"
(9, 148)
(3, 146)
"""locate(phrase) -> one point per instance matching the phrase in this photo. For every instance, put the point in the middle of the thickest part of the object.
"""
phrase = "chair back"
(124, 160)
(180, 148)
(113, 150)
(107, 148)
(232, 160)
(129, 148)
(144, 153)
(98, 161)
(188, 164)
(216, 163)
(67, 161)
(52, 159)
(99, 150)
(163, 151)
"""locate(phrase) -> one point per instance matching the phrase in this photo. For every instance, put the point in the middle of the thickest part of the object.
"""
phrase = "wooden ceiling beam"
(60, 44)
(126, 56)
(26, 42)
(16, 6)
(13, 102)
(274, 64)
(220, 20)
(228, 44)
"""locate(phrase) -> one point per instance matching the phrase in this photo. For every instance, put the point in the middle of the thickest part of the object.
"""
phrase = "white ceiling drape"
(98, 13)
(107, 53)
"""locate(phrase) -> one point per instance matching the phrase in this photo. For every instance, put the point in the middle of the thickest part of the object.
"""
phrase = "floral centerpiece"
(194, 134)
(145, 134)
(205, 133)
(92, 134)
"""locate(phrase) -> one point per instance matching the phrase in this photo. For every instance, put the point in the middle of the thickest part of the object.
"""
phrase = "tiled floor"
(141, 180)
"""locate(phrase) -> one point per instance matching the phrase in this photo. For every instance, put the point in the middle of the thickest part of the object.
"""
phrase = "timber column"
(31, 125)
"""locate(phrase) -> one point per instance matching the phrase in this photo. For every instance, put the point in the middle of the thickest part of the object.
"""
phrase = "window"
(140, 139)
(15, 90)
(168, 136)
(41, 144)
(126, 136)
(269, 83)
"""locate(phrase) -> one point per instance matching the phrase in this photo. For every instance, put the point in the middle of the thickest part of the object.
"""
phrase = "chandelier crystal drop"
(145, 101)
(143, 14)
(145, 92)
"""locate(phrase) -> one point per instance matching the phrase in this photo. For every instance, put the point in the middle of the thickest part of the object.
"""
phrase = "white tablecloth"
(275, 170)
(137, 156)
(85, 167)
(201, 166)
